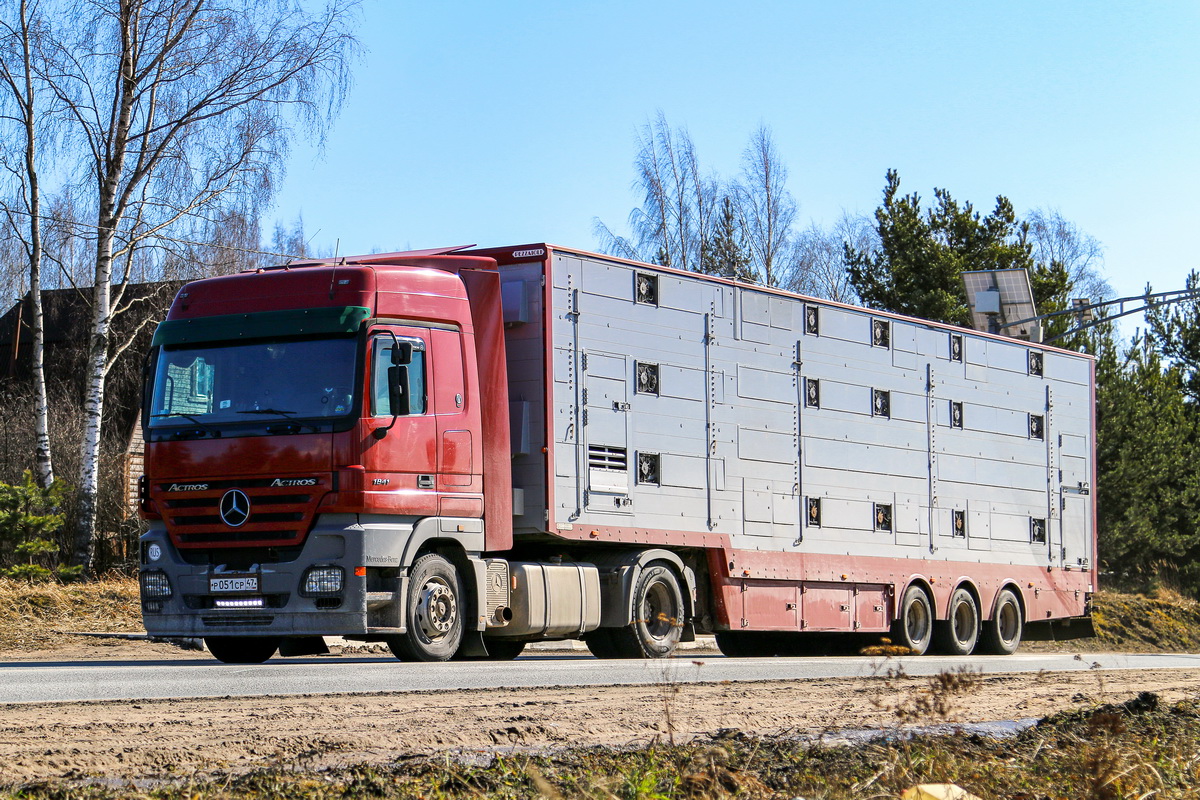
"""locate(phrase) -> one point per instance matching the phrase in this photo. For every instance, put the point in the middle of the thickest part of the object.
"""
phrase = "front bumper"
(279, 606)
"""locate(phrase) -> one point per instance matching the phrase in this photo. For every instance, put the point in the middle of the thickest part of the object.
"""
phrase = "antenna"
(337, 243)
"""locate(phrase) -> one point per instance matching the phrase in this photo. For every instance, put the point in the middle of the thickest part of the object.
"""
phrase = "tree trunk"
(42, 459)
(93, 406)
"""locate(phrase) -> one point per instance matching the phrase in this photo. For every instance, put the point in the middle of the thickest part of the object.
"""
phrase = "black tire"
(958, 634)
(658, 612)
(502, 649)
(433, 612)
(748, 644)
(1002, 633)
(914, 626)
(242, 649)
(600, 642)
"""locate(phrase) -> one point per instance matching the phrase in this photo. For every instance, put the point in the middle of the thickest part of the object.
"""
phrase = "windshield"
(214, 383)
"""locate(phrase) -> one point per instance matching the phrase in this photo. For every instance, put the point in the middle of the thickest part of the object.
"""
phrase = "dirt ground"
(174, 739)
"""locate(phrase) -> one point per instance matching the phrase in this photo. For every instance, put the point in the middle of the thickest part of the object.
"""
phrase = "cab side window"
(414, 387)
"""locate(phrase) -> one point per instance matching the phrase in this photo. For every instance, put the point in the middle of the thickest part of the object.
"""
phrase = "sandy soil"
(172, 739)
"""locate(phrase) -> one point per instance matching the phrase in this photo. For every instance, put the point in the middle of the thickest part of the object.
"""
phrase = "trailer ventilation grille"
(1037, 530)
(956, 347)
(812, 392)
(1035, 363)
(1037, 426)
(648, 468)
(956, 414)
(814, 512)
(812, 320)
(881, 333)
(881, 405)
(645, 288)
(883, 517)
(647, 377)
(960, 523)
(602, 457)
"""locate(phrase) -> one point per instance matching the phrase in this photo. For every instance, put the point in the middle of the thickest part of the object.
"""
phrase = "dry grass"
(33, 615)
(1132, 750)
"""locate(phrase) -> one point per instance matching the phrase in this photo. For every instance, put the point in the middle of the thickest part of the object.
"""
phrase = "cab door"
(400, 450)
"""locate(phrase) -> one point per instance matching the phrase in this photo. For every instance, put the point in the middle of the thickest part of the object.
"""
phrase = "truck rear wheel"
(914, 628)
(600, 643)
(958, 634)
(658, 616)
(433, 612)
(1002, 633)
(241, 649)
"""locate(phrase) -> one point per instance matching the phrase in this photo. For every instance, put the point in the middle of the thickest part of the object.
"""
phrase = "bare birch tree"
(26, 110)
(1058, 240)
(179, 109)
(818, 266)
(767, 208)
(675, 222)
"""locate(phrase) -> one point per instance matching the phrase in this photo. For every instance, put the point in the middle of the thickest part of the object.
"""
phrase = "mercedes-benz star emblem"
(235, 508)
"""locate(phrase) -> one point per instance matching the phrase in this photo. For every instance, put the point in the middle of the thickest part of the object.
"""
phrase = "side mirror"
(402, 353)
(398, 395)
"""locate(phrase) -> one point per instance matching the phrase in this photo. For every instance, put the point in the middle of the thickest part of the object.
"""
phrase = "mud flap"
(1059, 630)
(472, 645)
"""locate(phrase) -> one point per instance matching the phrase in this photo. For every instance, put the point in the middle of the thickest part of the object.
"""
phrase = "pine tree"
(725, 255)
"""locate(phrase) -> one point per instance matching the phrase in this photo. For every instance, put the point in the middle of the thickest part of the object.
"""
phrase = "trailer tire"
(1002, 633)
(658, 613)
(914, 627)
(959, 633)
(242, 649)
(433, 612)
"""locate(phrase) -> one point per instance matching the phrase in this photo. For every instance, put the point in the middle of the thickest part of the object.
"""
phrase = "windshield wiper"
(278, 411)
(210, 431)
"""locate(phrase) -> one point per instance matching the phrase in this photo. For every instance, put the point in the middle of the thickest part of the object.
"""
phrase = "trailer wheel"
(914, 628)
(433, 612)
(1002, 633)
(658, 616)
(242, 649)
(958, 634)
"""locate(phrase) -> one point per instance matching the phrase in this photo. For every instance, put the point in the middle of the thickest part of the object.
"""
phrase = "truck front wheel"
(241, 649)
(658, 617)
(433, 612)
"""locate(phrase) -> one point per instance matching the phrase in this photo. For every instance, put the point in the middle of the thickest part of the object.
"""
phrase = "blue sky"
(505, 122)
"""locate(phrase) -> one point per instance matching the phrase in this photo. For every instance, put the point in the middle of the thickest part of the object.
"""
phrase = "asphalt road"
(50, 681)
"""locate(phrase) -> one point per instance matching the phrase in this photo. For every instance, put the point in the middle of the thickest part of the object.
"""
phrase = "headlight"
(154, 552)
(323, 580)
(155, 584)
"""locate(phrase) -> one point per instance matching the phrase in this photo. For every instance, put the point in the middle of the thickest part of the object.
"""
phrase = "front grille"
(279, 515)
(228, 536)
(239, 621)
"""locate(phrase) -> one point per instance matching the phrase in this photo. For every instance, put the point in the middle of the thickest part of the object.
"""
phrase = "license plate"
(245, 584)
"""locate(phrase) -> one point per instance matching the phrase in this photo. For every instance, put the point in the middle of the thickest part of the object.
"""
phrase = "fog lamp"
(323, 580)
(155, 584)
